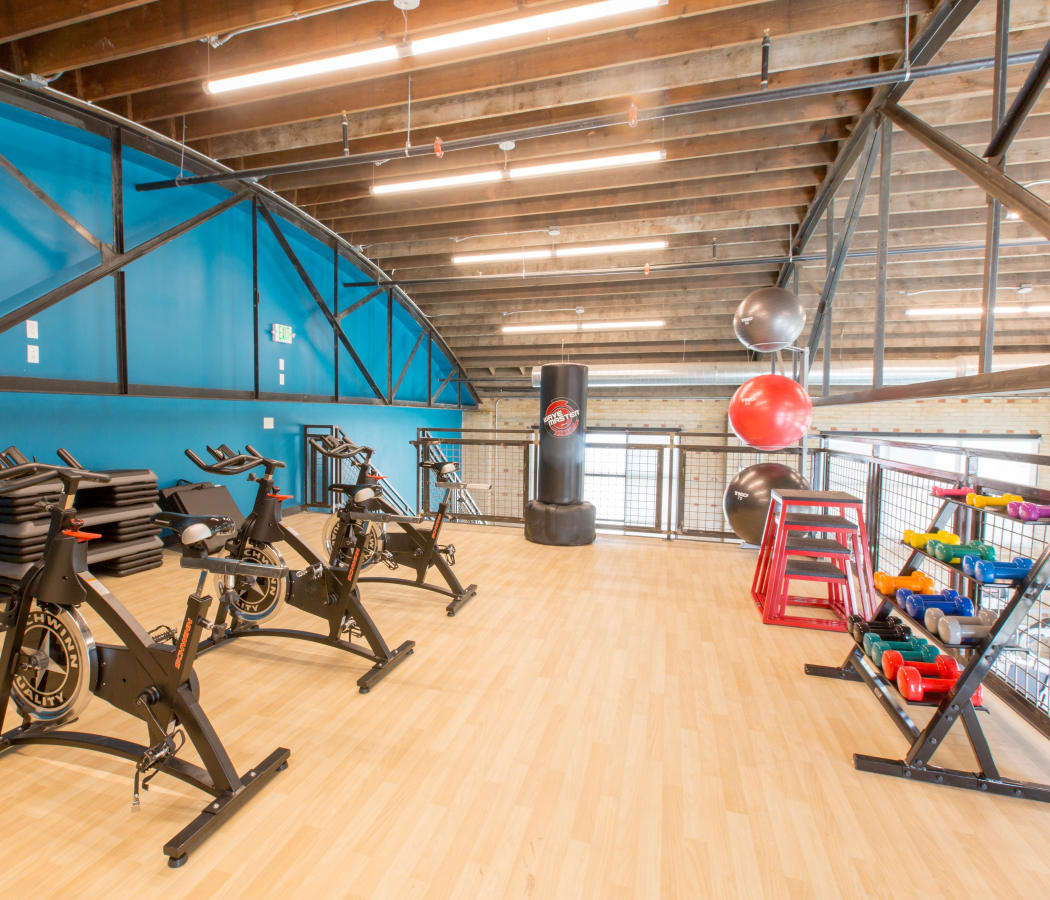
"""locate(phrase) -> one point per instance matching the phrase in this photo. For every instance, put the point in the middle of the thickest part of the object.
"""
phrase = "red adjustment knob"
(280, 496)
(82, 536)
(438, 152)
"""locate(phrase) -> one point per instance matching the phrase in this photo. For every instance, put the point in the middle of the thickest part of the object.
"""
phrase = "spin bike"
(360, 525)
(50, 664)
(329, 591)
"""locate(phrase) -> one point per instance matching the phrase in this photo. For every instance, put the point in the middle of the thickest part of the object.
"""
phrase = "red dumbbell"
(913, 686)
(943, 666)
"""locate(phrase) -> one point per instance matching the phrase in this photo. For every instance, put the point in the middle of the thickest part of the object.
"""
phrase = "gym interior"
(621, 425)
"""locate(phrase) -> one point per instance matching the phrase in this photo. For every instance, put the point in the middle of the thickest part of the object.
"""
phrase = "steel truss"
(114, 257)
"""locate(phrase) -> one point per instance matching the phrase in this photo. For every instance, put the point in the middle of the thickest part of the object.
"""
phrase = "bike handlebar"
(229, 462)
(331, 446)
(28, 474)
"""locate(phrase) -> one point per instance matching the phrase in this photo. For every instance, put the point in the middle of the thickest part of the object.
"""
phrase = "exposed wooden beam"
(23, 18)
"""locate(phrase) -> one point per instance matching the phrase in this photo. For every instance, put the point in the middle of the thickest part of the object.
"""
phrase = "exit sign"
(282, 334)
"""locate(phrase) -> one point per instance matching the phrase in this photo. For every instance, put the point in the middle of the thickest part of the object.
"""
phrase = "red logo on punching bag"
(562, 417)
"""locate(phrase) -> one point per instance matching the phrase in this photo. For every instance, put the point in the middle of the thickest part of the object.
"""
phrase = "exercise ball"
(746, 500)
(770, 412)
(769, 319)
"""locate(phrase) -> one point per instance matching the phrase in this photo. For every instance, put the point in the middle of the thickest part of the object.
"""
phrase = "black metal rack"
(955, 704)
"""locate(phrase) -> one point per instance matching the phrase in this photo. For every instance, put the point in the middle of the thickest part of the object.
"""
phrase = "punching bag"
(559, 514)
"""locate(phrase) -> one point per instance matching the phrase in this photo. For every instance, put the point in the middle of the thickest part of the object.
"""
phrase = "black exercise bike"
(328, 591)
(359, 525)
(50, 663)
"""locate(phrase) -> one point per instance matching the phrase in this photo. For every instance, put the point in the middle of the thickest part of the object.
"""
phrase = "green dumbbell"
(872, 637)
(953, 553)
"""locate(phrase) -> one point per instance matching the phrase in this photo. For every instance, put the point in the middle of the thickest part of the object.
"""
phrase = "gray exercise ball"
(746, 500)
(769, 319)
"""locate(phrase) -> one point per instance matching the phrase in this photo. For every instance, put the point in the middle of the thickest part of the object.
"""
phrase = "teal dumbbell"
(874, 646)
(953, 553)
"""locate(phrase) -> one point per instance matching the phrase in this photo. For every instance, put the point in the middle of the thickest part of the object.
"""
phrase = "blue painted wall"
(189, 323)
(141, 432)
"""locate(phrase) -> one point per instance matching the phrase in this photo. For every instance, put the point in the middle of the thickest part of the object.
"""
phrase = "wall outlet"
(32, 330)
(268, 422)
(281, 376)
(280, 364)
(32, 353)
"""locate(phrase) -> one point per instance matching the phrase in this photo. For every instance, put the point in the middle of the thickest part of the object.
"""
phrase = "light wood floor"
(607, 721)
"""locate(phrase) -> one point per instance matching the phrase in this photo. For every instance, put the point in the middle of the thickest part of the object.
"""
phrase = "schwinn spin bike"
(327, 591)
(50, 663)
(361, 523)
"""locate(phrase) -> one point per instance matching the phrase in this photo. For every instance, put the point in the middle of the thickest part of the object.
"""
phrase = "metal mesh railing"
(626, 485)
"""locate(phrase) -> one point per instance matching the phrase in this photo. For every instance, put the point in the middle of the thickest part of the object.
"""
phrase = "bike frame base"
(459, 599)
(214, 815)
(366, 682)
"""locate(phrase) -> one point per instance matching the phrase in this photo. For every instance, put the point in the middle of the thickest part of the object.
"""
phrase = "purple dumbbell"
(1030, 512)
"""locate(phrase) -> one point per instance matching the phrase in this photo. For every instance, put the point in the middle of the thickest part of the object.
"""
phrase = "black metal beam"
(1034, 211)
(441, 387)
(354, 307)
(318, 299)
(1027, 380)
(255, 297)
(430, 367)
(882, 254)
(829, 228)
(338, 318)
(408, 362)
(1021, 107)
(993, 227)
(390, 346)
(849, 225)
(104, 250)
(893, 78)
(940, 27)
(114, 263)
(120, 310)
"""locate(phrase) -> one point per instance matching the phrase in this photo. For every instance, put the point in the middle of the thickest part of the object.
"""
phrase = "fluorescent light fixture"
(938, 311)
(1012, 216)
(525, 329)
(501, 257)
(302, 70)
(622, 326)
(423, 184)
(530, 24)
(587, 165)
(583, 326)
(570, 250)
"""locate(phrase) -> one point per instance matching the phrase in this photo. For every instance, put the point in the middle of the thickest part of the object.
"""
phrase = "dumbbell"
(952, 553)
(913, 686)
(943, 666)
(891, 629)
(982, 501)
(964, 629)
(919, 540)
(912, 648)
(951, 492)
(916, 581)
(1030, 512)
(948, 600)
(985, 571)
(934, 615)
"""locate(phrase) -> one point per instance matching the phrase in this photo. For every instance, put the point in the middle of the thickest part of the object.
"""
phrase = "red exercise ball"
(770, 412)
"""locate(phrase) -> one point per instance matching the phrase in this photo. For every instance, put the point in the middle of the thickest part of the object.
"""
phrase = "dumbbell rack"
(789, 551)
(980, 658)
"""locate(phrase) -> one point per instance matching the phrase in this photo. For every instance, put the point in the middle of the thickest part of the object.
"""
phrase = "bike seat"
(441, 469)
(193, 529)
(357, 494)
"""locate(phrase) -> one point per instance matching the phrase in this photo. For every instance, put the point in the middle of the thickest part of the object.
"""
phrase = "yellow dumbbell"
(919, 541)
(981, 501)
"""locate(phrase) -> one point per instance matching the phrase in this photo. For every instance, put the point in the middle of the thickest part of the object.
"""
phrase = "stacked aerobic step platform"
(120, 511)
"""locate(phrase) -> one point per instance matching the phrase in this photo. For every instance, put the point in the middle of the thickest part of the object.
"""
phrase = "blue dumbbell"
(948, 600)
(985, 571)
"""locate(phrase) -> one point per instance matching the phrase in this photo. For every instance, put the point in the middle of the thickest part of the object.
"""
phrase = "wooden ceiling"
(733, 185)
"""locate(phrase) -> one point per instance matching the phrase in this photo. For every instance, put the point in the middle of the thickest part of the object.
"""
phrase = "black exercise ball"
(769, 319)
(746, 500)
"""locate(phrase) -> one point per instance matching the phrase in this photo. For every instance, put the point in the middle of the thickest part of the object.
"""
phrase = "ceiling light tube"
(302, 70)
(938, 311)
(525, 329)
(570, 250)
(510, 255)
(622, 326)
(530, 24)
(587, 165)
(423, 184)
